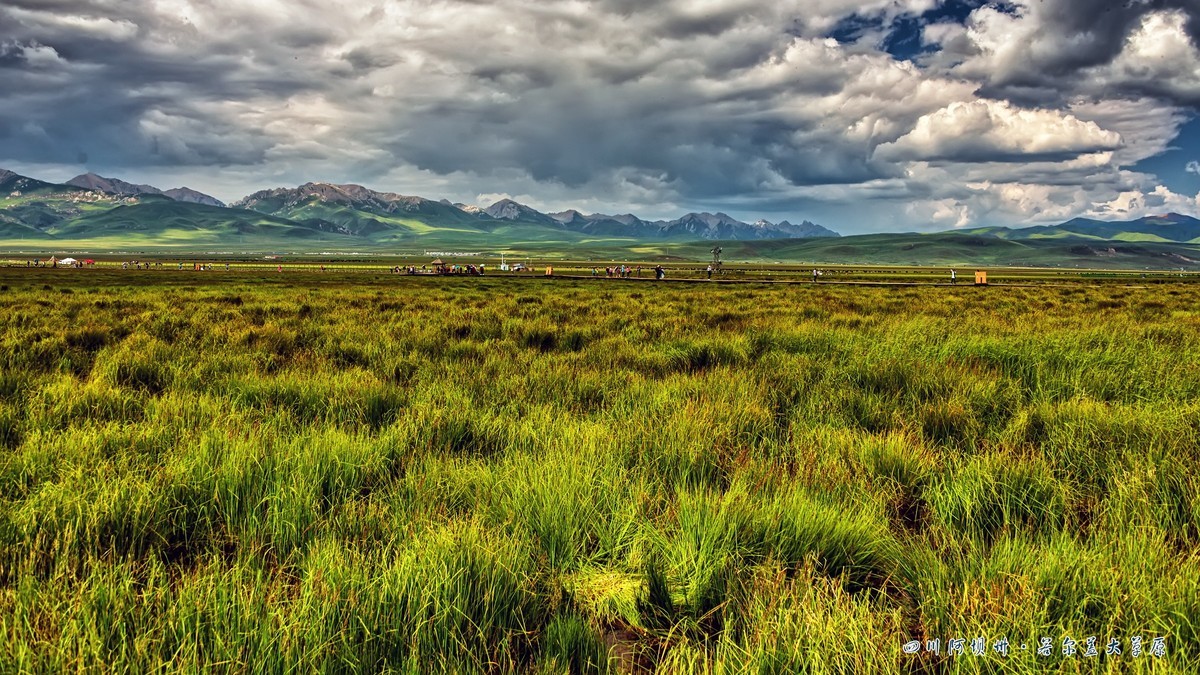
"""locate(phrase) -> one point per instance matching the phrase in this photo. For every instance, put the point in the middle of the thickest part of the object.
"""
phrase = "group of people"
(410, 269)
(56, 263)
(440, 269)
(470, 270)
(628, 272)
(618, 272)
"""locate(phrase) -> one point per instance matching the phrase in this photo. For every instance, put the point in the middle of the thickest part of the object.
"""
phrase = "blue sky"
(901, 36)
(1171, 166)
(863, 115)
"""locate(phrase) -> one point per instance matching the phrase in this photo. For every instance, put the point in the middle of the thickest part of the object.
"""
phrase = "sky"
(862, 115)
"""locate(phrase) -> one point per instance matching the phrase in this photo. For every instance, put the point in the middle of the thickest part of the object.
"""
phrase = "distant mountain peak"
(469, 208)
(508, 209)
(186, 194)
(112, 186)
(571, 216)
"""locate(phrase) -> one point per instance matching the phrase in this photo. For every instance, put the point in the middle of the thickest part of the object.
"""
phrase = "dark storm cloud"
(12, 55)
(516, 78)
(1060, 49)
(139, 88)
(367, 58)
(709, 23)
(1076, 34)
(701, 146)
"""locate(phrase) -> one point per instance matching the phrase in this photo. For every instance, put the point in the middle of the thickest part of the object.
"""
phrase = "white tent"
(67, 261)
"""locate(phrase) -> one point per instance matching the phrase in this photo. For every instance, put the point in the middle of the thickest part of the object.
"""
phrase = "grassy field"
(155, 230)
(357, 264)
(266, 473)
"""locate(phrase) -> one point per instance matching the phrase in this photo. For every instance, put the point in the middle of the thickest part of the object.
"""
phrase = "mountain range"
(110, 212)
(358, 211)
(364, 217)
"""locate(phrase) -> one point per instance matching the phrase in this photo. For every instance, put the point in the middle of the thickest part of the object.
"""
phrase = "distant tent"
(437, 263)
(68, 261)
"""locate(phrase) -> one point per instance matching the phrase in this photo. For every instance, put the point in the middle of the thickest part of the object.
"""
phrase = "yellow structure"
(980, 278)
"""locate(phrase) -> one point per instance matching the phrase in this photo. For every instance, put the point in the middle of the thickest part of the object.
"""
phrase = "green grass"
(960, 249)
(362, 472)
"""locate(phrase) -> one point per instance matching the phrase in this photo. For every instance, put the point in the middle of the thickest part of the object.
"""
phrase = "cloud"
(1049, 49)
(982, 130)
(91, 26)
(730, 105)
(1159, 59)
(31, 55)
(1193, 167)
(1139, 204)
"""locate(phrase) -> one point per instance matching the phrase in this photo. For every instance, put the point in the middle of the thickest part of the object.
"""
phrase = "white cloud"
(77, 24)
(1146, 126)
(39, 56)
(981, 130)
(1138, 204)
(1158, 57)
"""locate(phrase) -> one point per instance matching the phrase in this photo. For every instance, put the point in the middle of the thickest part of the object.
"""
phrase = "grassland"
(959, 249)
(261, 473)
(940, 249)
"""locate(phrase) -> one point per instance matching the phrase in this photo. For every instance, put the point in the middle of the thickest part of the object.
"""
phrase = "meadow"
(265, 473)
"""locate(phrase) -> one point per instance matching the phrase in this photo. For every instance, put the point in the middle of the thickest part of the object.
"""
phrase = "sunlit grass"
(377, 473)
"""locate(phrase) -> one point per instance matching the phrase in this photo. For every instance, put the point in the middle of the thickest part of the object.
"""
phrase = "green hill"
(954, 249)
(1170, 227)
(10, 231)
(162, 221)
